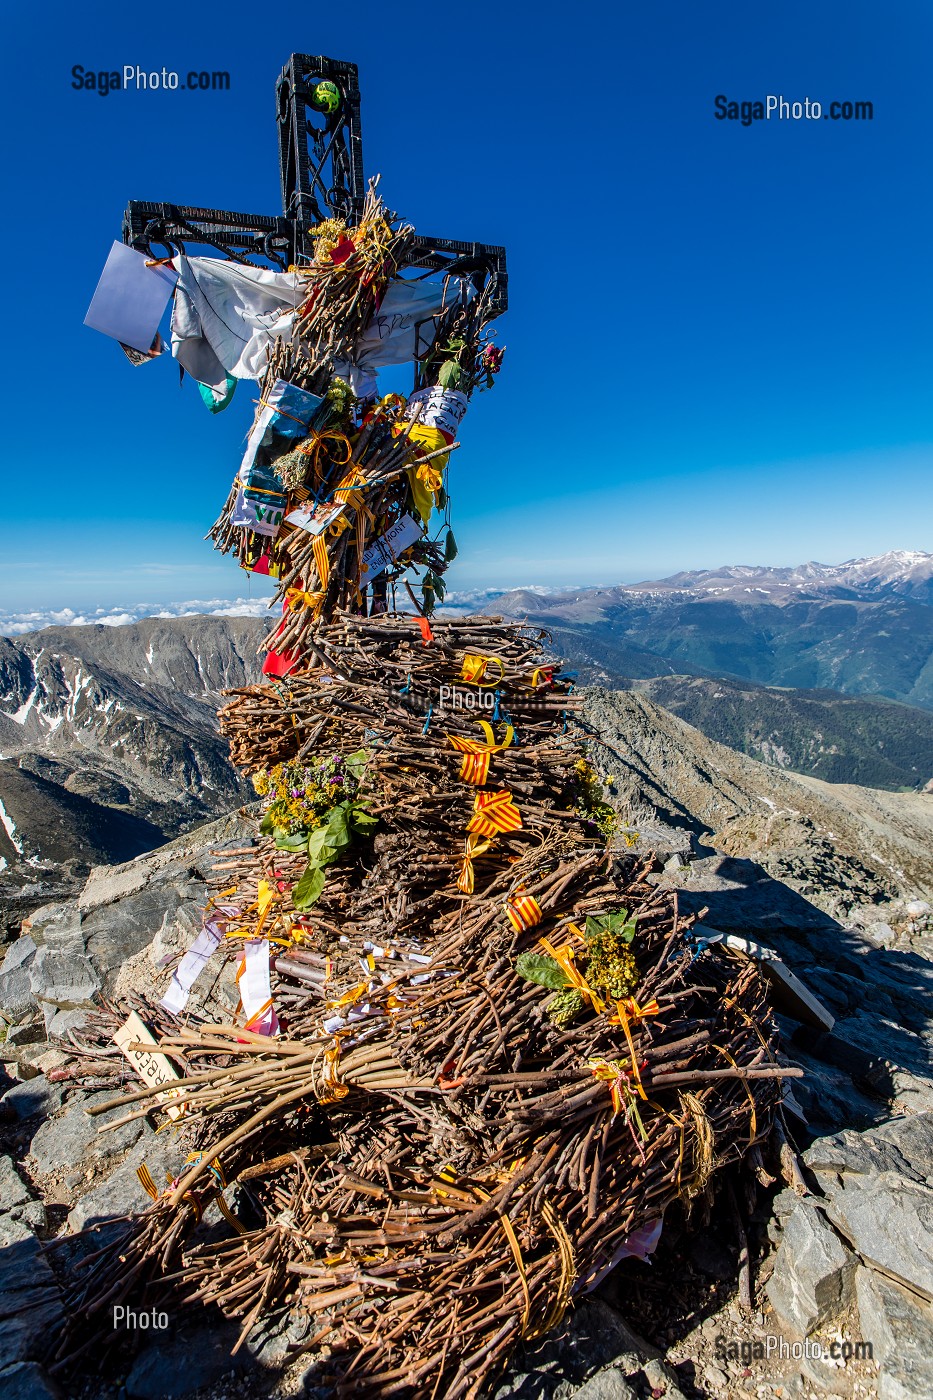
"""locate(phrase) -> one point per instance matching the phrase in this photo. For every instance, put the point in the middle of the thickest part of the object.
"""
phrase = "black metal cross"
(321, 166)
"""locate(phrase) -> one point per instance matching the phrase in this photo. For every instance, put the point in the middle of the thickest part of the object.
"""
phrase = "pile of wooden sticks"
(427, 1161)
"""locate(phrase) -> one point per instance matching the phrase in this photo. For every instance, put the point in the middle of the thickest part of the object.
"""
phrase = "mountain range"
(861, 628)
(108, 734)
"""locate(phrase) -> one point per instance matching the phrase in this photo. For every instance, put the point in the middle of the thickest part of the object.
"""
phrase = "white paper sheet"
(130, 298)
(383, 554)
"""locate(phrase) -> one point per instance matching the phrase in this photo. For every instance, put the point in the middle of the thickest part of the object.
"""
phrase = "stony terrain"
(840, 738)
(109, 745)
(836, 880)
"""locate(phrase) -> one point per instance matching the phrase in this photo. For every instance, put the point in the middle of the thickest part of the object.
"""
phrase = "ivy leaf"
(618, 924)
(538, 967)
(309, 888)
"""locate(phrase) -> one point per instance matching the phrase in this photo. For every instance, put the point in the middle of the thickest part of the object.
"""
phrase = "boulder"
(811, 1283)
(15, 987)
(62, 976)
(888, 1220)
(30, 1305)
(27, 1381)
(900, 1330)
(121, 1193)
(13, 1192)
(33, 1097)
(180, 1361)
(609, 1384)
(74, 1137)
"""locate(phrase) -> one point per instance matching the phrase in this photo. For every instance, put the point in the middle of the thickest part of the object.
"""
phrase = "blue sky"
(720, 343)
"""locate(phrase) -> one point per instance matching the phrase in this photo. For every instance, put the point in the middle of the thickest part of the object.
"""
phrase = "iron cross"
(321, 169)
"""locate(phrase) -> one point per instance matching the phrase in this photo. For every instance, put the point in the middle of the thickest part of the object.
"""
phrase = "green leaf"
(265, 826)
(449, 375)
(538, 967)
(290, 841)
(362, 822)
(309, 888)
(356, 762)
(618, 924)
(450, 547)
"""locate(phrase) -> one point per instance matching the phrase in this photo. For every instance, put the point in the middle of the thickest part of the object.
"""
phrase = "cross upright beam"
(321, 172)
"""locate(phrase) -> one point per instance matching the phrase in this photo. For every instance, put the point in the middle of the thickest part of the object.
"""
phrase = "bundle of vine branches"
(501, 1051)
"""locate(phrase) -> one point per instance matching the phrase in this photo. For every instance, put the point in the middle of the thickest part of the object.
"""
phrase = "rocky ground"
(832, 1247)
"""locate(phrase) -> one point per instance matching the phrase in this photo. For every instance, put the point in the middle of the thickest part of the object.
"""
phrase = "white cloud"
(13, 624)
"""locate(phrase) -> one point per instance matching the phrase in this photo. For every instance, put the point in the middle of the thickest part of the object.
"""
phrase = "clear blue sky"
(720, 346)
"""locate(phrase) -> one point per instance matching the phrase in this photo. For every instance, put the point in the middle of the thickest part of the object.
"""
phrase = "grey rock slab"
(811, 1283)
(56, 924)
(121, 1193)
(33, 1213)
(33, 1097)
(13, 1231)
(900, 1330)
(177, 1363)
(605, 1385)
(30, 1303)
(26, 1033)
(888, 1220)
(63, 977)
(73, 1137)
(13, 1191)
(59, 1023)
(119, 931)
(660, 1377)
(27, 1381)
(15, 986)
(911, 1139)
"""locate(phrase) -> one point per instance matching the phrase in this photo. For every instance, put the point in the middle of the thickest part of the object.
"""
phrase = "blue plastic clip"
(427, 723)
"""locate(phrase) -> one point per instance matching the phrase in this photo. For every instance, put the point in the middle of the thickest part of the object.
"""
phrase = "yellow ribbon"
(563, 956)
(425, 480)
(490, 746)
(474, 846)
(297, 598)
(474, 668)
(314, 444)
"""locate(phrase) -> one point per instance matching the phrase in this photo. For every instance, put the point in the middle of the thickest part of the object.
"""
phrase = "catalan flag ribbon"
(523, 911)
(475, 769)
(477, 746)
(494, 813)
(322, 560)
(475, 846)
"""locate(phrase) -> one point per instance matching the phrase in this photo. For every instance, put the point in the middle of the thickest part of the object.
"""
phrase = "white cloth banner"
(226, 316)
(401, 330)
(195, 960)
(442, 409)
(255, 987)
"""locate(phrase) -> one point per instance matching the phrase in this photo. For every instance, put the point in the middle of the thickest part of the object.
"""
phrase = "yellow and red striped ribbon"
(475, 769)
(493, 813)
(475, 846)
(477, 746)
(523, 911)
